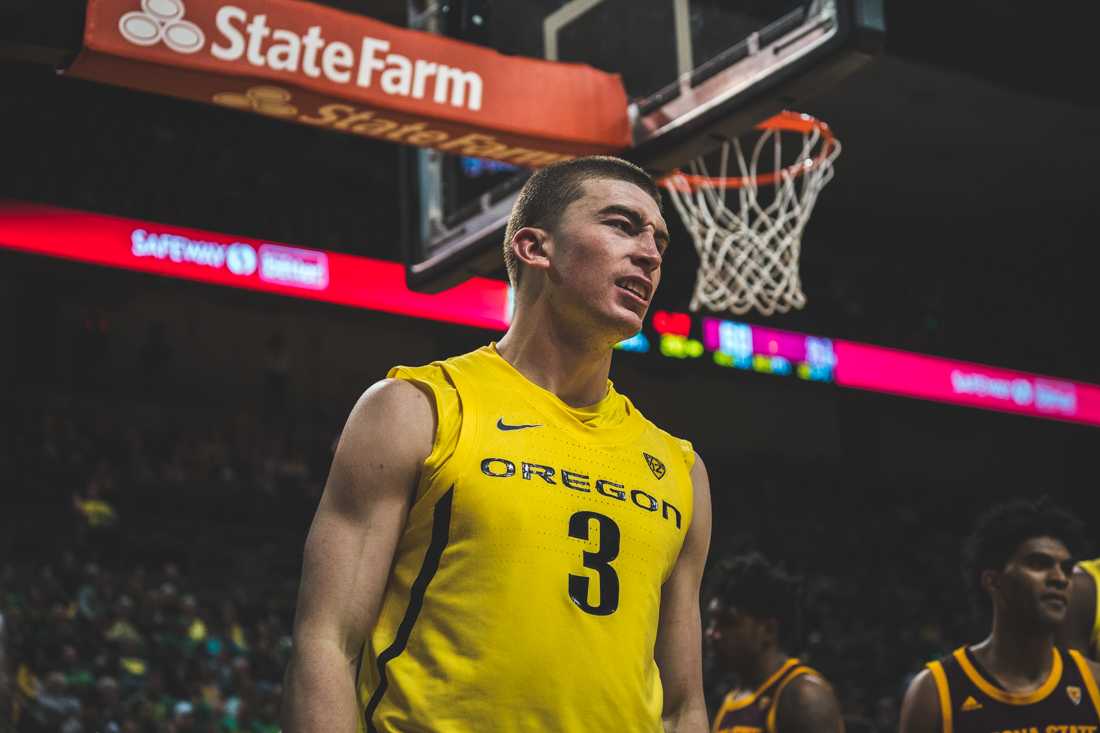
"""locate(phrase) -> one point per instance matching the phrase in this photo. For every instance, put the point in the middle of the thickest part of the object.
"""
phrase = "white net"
(747, 228)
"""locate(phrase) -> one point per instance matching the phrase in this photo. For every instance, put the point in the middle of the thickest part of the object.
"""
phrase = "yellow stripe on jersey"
(525, 588)
(733, 701)
(795, 674)
(944, 693)
(1012, 698)
(1086, 675)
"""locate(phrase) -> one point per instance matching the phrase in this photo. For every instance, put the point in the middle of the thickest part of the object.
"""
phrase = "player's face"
(735, 637)
(606, 253)
(1035, 582)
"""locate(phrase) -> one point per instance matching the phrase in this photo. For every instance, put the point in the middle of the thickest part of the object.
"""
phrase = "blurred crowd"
(148, 577)
(146, 650)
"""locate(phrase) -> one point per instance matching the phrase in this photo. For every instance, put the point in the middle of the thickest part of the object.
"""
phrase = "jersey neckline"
(1040, 693)
(743, 702)
(611, 420)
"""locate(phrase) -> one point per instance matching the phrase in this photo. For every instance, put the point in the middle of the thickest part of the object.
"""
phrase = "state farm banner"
(318, 66)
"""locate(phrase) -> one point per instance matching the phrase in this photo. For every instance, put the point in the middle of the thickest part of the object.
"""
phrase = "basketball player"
(755, 607)
(1081, 631)
(504, 542)
(1020, 556)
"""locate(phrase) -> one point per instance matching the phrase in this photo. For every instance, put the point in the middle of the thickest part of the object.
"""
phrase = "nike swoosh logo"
(501, 425)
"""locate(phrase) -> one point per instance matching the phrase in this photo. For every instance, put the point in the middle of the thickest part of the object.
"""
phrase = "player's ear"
(990, 580)
(529, 247)
(771, 630)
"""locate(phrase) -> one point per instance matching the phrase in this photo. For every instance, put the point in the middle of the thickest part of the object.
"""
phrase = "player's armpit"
(350, 549)
(679, 648)
(808, 705)
(1076, 630)
(920, 710)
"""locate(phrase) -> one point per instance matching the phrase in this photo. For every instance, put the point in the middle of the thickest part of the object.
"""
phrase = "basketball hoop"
(749, 248)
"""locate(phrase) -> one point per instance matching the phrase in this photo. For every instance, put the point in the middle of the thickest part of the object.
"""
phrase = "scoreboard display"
(743, 346)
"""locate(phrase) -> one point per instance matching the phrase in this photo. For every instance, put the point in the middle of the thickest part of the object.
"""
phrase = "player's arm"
(349, 552)
(679, 648)
(920, 710)
(1076, 630)
(808, 705)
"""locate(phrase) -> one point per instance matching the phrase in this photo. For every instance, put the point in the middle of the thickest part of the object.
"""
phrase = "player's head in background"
(583, 234)
(753, 613)
(1019, 560)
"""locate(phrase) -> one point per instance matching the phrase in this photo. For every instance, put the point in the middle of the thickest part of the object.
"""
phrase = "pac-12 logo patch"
(655, 465)
(1074, 694)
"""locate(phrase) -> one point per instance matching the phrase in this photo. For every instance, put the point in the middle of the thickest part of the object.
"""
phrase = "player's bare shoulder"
(396, 402)
(390, 431)
(920, 710)
(809, 704)
(700, 488)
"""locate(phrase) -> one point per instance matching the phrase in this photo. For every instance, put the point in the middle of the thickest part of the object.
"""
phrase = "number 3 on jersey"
(600, 561)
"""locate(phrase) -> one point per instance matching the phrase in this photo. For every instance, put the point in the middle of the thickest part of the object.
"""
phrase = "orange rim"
(785, 121)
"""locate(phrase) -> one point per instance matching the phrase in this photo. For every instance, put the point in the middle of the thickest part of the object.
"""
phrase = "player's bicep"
(351, 542)
(679, 635)
(920, 710)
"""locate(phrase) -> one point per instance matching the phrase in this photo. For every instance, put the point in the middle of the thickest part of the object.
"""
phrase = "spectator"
(54, 708)
(276, 375)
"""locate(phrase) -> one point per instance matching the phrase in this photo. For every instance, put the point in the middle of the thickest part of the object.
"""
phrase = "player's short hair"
(1001, 530)
(755, 586)
(548, 192)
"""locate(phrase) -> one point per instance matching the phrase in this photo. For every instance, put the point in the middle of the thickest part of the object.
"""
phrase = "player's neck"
(574, 369)
(760, 668)
(1017, 656)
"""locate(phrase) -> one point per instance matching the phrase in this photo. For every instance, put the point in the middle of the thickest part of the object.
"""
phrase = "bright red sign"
(963, 383)
(321, 67)
(242, 262)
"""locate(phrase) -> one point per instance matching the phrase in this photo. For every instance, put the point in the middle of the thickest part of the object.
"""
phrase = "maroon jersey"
(743, 712)
(972, 702)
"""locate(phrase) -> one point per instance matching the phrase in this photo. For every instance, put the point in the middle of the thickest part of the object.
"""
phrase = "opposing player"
(754, 609)
(1020, 556)
(1081, 630)
(504, 542)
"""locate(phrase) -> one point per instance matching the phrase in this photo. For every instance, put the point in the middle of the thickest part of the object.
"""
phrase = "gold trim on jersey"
(1086, 675)
(944, 693)
(1012, 698)
(800, 671)
(744, 702)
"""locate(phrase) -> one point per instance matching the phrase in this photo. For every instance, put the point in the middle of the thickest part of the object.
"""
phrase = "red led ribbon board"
(878, 369)
(321, 67)
(242, 262)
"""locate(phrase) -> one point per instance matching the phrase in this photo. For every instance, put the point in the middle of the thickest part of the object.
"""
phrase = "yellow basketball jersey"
(526, 587)
(1092, 567)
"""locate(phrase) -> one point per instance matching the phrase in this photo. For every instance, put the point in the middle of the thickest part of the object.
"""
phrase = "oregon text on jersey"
(504, 468)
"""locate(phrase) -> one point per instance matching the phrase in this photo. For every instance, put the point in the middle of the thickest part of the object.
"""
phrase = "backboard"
(695, 72)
